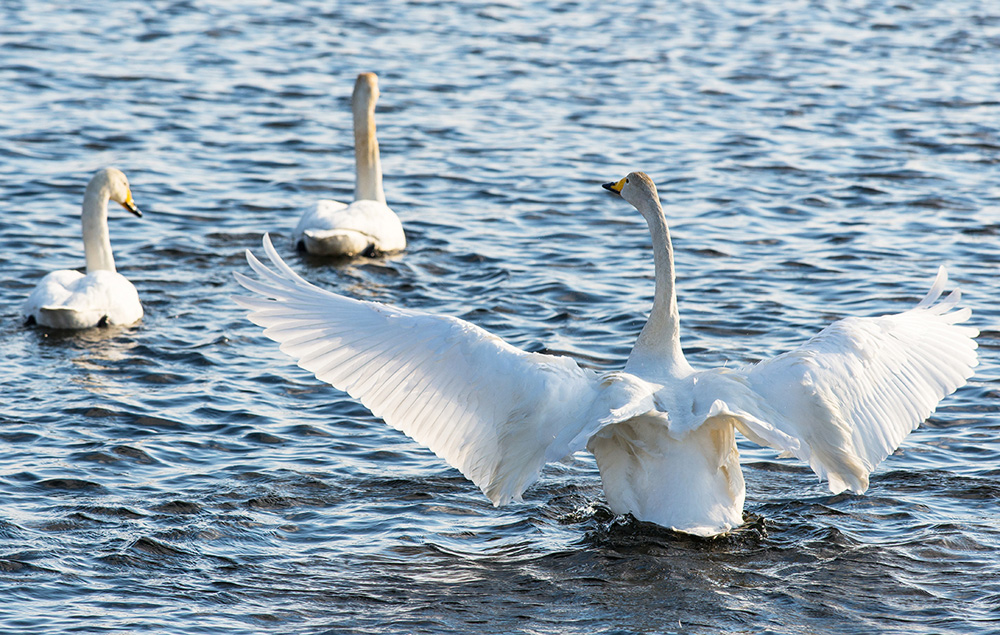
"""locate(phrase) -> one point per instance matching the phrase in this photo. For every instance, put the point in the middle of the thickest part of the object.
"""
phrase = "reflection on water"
(182, 475)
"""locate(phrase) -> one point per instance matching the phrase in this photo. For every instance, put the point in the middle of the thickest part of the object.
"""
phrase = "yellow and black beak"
(615, 187)
(130, 205)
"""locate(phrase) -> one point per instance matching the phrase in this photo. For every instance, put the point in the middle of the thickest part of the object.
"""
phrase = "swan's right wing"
(488, 408)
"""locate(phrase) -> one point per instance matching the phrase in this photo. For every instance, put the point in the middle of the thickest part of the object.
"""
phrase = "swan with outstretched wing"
(663, 433)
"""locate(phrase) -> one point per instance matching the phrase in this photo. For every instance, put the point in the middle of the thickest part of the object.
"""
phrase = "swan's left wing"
(847, 398)
(493, 411)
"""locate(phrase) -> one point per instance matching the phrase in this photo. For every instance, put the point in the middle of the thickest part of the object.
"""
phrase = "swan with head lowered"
(663, 434)
(68, 299)
(367, 226)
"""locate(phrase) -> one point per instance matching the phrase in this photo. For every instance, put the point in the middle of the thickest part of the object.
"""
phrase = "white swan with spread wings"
(663, 433)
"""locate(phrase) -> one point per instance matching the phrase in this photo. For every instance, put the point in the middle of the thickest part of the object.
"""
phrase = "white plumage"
(663, 433)
(367, 226)
(68, 299)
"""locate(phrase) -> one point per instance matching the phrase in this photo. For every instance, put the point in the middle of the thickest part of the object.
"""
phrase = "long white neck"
(368, 167)
(659, 343)
(96, 242)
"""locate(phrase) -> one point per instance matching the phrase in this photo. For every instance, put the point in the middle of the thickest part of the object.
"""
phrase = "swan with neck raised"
(663, 433)
(367, 226)
(68, 299)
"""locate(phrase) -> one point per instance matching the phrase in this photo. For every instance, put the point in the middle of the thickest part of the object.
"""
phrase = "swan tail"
(67, 318)
(336, 242)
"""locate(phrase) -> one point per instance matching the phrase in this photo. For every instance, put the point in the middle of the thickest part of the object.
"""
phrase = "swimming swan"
(68, 299)
(663, 433)
(367, 226)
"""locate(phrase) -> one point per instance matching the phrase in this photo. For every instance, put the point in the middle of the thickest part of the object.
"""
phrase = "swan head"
(365, 91)
(636, 188)
(118, 189)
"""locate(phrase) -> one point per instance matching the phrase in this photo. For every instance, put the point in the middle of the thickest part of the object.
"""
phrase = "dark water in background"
(816, 159)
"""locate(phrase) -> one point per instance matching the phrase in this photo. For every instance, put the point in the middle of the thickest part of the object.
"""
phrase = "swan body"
(663, 434)
(367, 226)
(68, 299)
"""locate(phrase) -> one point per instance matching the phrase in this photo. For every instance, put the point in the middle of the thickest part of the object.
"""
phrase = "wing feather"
(489, 409)
(852, 393)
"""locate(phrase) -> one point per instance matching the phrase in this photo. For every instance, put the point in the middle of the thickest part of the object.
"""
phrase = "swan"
(663, 434)
(367, 226)
(68, 299)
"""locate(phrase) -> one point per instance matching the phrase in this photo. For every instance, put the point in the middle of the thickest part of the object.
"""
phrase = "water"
(816, 159)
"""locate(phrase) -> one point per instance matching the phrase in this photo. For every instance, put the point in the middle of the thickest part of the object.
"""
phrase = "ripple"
(69, 484)
(182, 475)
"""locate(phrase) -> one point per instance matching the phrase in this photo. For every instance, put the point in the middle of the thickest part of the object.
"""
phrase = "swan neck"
(659, 342)
(96, 241)
(368, 184)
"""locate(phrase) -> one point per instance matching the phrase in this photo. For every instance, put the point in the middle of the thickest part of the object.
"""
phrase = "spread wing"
(848, 397)
(493, 411)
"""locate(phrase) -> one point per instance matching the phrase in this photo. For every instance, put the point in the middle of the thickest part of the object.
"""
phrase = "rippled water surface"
(816, 159)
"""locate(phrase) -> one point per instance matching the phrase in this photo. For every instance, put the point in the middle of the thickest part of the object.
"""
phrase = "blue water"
(815, 159)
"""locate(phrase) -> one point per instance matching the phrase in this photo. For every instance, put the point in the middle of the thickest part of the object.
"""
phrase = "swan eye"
(626, 179)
